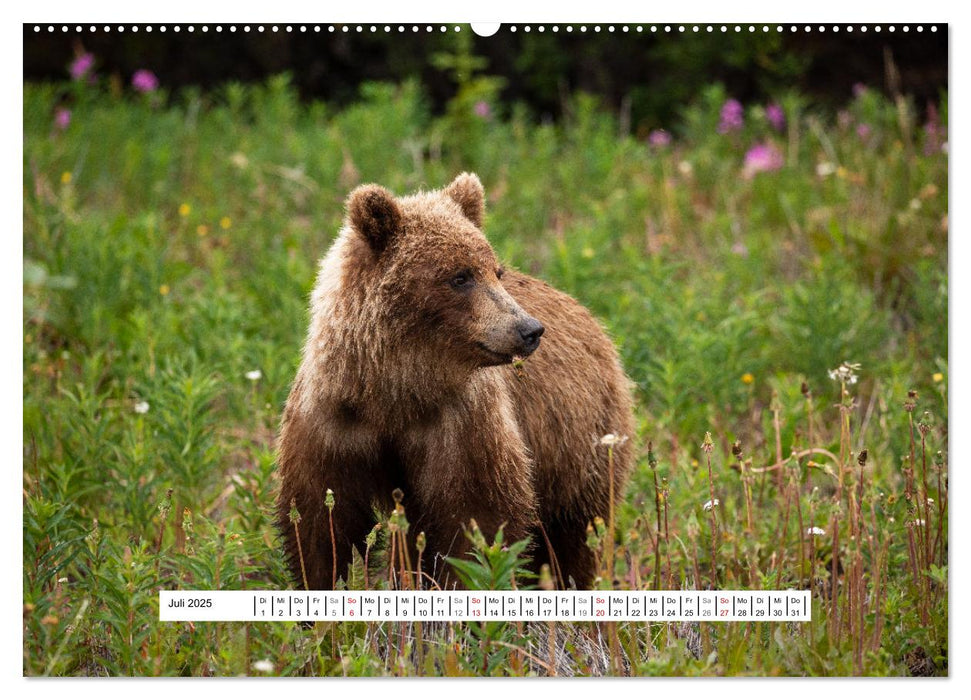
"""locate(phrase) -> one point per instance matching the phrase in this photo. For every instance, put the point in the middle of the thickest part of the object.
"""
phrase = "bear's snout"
(529, 330)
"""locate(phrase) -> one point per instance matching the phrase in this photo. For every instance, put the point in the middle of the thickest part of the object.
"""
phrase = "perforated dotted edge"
(513, 28)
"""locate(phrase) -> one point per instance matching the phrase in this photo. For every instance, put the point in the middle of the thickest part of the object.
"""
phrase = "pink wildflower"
(776, 116)
(144, 81)
(732, 117)
(482, 109)
(62, 118)
(762, 158)
(659, 138)
(81, 66)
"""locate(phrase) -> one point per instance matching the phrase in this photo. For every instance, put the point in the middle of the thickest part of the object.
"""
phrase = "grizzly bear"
(412, 378)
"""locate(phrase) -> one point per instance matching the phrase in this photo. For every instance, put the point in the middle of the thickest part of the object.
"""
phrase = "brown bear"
(411, 380)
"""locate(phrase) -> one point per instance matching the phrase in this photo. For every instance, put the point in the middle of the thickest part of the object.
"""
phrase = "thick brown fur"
(407, 382)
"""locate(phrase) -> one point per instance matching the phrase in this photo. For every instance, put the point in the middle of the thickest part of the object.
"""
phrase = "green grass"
(169, 248)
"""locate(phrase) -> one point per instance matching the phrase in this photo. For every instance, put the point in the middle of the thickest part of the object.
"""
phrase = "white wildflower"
(141, 407)
(611, 440)
(685, 168)
(845, 373)
(710, 504)
(815, 531)
(263, 666)
(825, 169)
(254, 375)
(919, 522)
(239, 160)
(930, 501)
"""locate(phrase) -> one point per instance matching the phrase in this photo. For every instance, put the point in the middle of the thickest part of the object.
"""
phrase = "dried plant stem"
(705, 634)
(555, 569)
(333, 551)
(794, 490)
(940, 554)
(796, 455)
(633, 570)
(777, 429)
(367, 552)
(880, 559)
(657, 507)
(615, 657)
(919, 526)
(928, 553)
(667, 543)
(809, 415)
(392, 545)
(747, 489)
(844, 410)
(919, 501)
(812, 573)
(859, 578)
(912, 551)
(303, 568)
(420, 644)
(714, 522)
(834, 598)
(403, 565)
(609, 554)
(785, 534)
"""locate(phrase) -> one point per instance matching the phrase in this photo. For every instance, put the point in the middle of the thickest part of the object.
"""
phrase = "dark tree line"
(653, 74)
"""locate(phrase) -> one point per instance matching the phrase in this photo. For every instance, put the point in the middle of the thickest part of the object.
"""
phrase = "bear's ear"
(373, 212)
(467, 192)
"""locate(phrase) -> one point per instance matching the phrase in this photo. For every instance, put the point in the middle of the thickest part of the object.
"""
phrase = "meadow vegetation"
(775, 277)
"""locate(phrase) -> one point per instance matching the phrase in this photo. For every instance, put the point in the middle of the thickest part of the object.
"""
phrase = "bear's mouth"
(502, 357)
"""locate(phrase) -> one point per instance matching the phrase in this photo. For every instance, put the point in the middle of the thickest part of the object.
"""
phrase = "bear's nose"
(530, 331)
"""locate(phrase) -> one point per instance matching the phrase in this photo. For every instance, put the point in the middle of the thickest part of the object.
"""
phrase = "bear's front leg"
(310, 464)
(472, 465)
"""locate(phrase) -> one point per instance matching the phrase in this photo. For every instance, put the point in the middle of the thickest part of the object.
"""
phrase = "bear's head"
(432, 276)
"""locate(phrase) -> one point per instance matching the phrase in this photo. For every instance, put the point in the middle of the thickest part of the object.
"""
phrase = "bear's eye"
(499, 273)
(461, 279)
